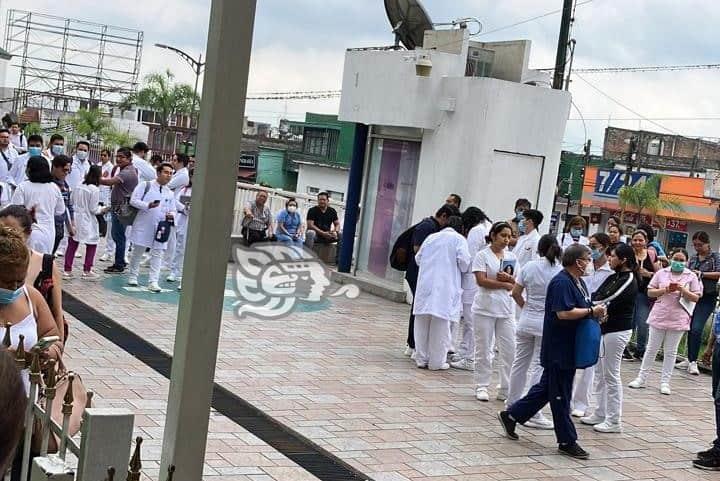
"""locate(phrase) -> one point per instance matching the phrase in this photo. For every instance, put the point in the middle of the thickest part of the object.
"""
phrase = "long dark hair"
(471, 217)
(549, 248)
(38, 170)
(626, 253)
(93, 175)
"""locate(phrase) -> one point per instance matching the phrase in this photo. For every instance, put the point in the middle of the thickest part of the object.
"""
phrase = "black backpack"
(402, 250)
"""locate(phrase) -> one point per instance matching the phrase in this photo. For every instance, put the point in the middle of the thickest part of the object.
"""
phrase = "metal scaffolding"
(67, 64)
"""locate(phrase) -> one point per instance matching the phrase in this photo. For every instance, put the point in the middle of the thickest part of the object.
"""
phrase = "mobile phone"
(45, 342)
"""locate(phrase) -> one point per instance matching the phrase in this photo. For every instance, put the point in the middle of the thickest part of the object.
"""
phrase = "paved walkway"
(336, 374)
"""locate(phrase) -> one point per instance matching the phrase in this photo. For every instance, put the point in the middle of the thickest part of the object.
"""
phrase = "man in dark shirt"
(567, 303)
(123, 182)
(323, 225)
(422, 230)
(61, 166)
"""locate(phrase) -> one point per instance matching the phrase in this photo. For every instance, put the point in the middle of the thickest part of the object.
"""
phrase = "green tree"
(114, 138)
(32, 128)
(91, 124)
(161, 95)
(645, 197)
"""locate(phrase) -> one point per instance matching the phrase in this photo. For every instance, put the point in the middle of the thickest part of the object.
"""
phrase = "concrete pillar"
(211, 219)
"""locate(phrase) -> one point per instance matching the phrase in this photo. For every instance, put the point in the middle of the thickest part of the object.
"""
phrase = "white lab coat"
(526, 248)
(5, 194)
(18, 172)
(106, 173)
(48, 202)
(145, 171)
(180, 178)
(565, 240)
(7, 157)
(86, 202)
(442, 258)
(182, 219)
(78, 172)
(147, 220)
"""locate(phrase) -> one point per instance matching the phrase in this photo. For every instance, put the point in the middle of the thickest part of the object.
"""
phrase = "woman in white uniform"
(155, 203)
(573, 233)
(86, 200)
(40, 195)
(494, 310)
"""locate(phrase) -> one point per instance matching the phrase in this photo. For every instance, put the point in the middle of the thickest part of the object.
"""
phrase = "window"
(313, 190)
(655, 147)
(321, 142)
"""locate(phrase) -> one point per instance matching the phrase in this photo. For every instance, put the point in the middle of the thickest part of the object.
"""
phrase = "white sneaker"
(481, 394)
(665, 389)
(455, 358)
(171, 278)
(413, 355)
(444, 367)
(67, 276)
(104, 258)
(154, 287)
(78, 255)
(408, 351)
(606, 427)
(464, 364)
(637, 383)
(132, 281)
(578, 413)
(59, 253)
(180, 287)
(592, 420)
(693, 369)
(90, 276)
(501, 396)
(682, 364)
(539, 422)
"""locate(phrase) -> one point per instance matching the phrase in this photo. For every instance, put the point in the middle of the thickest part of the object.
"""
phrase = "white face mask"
(81, 154)
(292, 209)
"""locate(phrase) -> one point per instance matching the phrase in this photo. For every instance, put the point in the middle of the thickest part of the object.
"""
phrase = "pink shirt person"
(667, 313)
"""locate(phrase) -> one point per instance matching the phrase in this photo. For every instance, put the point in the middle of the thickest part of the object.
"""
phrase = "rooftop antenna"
(409, 21)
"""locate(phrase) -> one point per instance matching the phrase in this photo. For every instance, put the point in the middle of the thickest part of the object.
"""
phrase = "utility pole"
(632, 154)
(586, 162)
(562, 45)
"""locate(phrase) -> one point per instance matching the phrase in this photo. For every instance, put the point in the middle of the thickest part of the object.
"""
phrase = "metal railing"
(276, 202)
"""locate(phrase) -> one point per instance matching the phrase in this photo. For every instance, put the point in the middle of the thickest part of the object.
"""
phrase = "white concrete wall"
(324, 178)
(490, 115)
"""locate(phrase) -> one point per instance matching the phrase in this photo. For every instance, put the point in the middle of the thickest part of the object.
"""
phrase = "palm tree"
(645, 196)
(164, 97)
(114, 138)
(91, 124)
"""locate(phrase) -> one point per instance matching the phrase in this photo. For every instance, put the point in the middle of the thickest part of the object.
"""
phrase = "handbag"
(125, 212)
(80, 402)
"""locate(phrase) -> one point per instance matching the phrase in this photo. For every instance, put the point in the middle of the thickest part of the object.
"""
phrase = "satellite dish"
(409, 20)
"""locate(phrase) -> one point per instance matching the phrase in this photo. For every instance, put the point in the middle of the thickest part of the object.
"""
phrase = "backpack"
(126, 213)
(44, 284)
(402, 250)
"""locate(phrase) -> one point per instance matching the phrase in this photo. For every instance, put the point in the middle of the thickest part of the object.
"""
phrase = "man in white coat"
(155, 203)
(80, 165)
(442, 259)
(8, 154)
(180, 179)
(18, 172)
(526, 247)
(146, 172)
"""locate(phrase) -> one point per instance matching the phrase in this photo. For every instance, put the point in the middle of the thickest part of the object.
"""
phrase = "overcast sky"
(300, 44)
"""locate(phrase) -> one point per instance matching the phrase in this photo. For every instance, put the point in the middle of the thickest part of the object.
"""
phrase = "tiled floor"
(338, 376)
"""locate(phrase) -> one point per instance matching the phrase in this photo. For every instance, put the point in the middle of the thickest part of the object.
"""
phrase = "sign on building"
(712, 184)
(609, 181)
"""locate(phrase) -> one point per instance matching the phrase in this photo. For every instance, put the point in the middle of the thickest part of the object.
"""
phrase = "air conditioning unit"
(479, 62)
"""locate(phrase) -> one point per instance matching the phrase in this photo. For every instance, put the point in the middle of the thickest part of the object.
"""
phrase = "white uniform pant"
(608, 385)
(466, 350)
(156, 256)
(179, 255)
(169, 255)
(502, 329)
(526, 369)
(109, 242)
(583, 387)
(432, 340)
(669, 340)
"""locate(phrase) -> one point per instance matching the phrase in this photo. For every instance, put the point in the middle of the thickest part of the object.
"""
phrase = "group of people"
(503, 289)
(72, 200)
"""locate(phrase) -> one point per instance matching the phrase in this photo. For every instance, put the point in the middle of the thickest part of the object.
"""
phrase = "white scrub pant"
(526, 369)
(608, 385)
(109, 242)
(502, 329)
(466, 349)
(669, 340)
(432, 340)
(169, 255)
(583, 387)
(156, 256)
(179, 255)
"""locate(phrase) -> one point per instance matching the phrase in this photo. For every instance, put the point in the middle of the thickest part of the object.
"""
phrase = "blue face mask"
(57, 149)
(521, 226)
(8, 297)
(33, 151)
(596, 254)
(576, 233)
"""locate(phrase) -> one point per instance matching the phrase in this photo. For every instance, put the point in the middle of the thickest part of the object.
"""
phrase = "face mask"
(575, 233)
(583, 268)
(8, 297)
(519, 215)
(81, 154)
(57, 149)
(596, 254)
(521, 226)
(292, 209)
(677, 266)
(34, 151)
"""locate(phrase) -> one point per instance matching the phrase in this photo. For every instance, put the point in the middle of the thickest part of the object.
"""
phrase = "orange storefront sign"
(688, 191)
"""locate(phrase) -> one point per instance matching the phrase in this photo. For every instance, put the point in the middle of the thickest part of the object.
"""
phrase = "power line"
(647, 68)
(528, 20)
(625, 106)
(606, 119)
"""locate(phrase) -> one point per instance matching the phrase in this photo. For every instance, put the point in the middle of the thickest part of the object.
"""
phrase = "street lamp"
(197, 66)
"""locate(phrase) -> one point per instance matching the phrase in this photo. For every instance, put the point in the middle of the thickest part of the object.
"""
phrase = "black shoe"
(708, 464)
(638, 356)
(710, 453)
(508, 425)
(573, 450)
(627, 355)
(114, 270)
